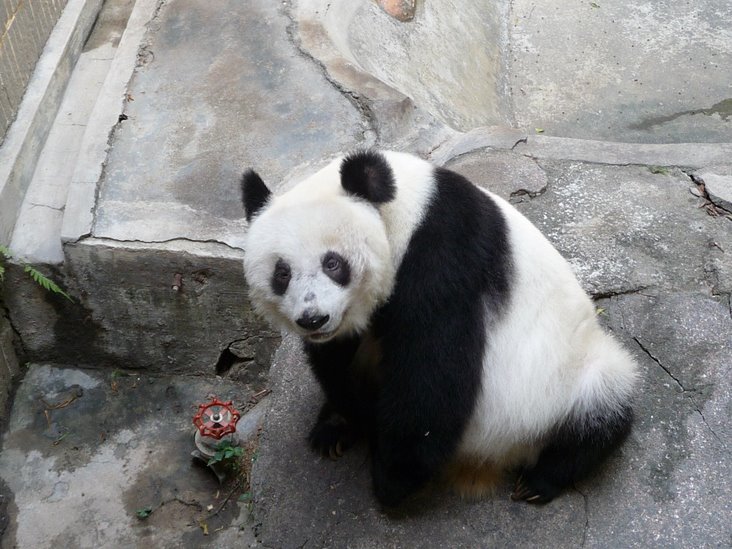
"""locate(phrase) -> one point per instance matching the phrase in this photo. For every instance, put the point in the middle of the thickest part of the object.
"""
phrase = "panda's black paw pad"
(533, 489)
(331, 436)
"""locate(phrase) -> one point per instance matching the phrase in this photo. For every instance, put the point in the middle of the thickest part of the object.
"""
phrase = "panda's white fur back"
(548, 357)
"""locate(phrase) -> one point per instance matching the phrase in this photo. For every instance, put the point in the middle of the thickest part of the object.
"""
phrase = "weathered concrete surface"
(86, 449)
(24, 139)
(640, 243)
(588, 70)
(645, 71)
(9, 368)
(203, 110)
(450, 59)
(94, 145)
(151, 325)
(621, 228)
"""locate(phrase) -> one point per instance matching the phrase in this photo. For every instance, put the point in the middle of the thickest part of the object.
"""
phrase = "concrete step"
(89, 108)
(25, 138)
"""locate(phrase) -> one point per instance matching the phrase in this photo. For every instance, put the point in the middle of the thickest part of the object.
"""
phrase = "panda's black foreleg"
(338, 424)
(332, 433)
(431, 381)
(573, 451)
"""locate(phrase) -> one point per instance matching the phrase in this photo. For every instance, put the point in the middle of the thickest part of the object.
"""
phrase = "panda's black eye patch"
(281, 277)
(337, 268)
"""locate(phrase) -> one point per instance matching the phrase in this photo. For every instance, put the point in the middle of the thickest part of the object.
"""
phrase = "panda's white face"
(317, 260)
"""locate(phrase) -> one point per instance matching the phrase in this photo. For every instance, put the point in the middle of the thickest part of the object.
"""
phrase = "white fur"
(547, 357)
(301, 225)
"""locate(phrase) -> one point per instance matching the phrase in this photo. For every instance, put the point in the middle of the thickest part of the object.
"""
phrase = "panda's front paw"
(332, 435)
(532, 488)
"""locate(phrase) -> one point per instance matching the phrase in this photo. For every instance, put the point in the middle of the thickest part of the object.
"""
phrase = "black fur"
(254, 193)
(344, 414)
(454, 277)
(281, 277)
(572, 452)
(337, 268)
(367, 174)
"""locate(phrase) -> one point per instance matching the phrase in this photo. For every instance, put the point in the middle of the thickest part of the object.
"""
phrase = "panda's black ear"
(367, 174)
(254, 193)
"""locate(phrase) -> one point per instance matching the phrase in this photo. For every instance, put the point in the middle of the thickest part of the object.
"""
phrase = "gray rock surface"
(644, 71)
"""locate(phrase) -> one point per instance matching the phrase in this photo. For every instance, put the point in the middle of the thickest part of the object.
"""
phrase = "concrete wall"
(25, 27)
(125, 312)
(450, 59)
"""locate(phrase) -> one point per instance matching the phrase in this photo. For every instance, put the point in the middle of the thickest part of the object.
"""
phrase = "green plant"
(42, 280)
(226, 451)
(144, 512)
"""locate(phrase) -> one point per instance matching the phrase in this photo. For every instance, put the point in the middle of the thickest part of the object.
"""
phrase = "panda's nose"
(312, 322)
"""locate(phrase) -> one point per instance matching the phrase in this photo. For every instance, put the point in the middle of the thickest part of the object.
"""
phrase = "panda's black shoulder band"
(367, 174)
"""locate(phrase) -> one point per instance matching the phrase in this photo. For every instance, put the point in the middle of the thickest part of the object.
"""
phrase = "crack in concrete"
(586, 527)
(685, 392)
(6, 314)
(607, 294)
(530, 194)
(164, 241)
(142, 48)
(36, 205)
(429, 153)
(361, 104)
(525, 141)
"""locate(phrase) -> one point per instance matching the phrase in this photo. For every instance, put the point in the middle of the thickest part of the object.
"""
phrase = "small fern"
(38, 277)
(44, 281)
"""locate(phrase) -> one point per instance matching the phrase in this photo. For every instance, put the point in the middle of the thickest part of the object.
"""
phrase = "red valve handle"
(216, 418)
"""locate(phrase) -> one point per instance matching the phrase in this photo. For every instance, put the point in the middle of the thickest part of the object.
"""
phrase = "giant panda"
(442, 326)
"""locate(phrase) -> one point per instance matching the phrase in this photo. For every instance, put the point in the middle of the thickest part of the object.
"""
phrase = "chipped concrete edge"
(26, 136)
(198, 248)
(687, 155)
(80, 202)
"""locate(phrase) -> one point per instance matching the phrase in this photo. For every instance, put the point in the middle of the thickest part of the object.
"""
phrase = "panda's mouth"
(321, 336)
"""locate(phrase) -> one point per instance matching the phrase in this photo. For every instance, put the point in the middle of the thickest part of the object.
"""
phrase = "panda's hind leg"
(573, 451)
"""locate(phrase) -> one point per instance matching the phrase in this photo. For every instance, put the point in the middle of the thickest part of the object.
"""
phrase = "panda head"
(317, 258)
